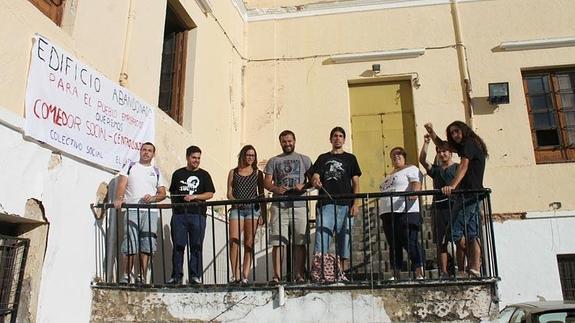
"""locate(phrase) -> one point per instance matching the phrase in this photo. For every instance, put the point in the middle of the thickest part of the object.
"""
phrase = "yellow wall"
(310, 96)
(95, 32)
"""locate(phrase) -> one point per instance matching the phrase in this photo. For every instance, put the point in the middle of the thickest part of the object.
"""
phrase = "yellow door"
(381, 118)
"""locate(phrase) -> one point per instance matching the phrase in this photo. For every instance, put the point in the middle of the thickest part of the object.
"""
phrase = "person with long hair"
(466, 221)
(245, 181)
(400, 214)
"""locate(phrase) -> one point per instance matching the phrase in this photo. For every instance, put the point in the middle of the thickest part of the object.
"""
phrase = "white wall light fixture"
(205, 5)
(376, 56)
(538, 43)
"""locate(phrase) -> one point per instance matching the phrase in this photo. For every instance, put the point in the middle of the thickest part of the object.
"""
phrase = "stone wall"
(405, 302)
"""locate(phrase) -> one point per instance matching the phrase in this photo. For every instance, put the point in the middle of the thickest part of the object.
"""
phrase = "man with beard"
(285, 174)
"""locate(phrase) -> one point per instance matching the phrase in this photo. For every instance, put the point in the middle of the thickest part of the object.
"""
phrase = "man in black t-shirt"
(334, 173)
(190, 185)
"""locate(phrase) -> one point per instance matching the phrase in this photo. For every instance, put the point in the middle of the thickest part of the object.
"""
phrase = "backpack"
(156, 170)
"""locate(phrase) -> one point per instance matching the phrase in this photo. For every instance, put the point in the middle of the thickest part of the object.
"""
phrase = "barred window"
(566, 264)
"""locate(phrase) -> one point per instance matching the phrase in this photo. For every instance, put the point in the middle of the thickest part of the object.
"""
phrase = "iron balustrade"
(368, 265)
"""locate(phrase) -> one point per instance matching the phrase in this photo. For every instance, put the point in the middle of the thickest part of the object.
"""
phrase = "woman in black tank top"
(244, 182)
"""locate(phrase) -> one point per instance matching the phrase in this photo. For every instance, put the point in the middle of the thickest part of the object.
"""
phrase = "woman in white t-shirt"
(400, 214)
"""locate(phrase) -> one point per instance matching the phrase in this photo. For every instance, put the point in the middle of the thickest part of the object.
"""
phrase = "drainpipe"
(463, 67)
(124, 71)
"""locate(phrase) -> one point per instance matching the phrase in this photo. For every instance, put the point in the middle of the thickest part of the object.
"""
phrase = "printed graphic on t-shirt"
(191, 185)
(289, 172)
(387, 184)
(335, 170)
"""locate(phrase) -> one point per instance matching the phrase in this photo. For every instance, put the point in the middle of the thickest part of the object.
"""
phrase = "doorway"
(382, 118)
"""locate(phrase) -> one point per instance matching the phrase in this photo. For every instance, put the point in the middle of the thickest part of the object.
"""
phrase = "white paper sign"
(76, 109)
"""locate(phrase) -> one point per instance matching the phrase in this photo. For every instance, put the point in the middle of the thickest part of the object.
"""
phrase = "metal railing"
(370, 261)
(13, 254)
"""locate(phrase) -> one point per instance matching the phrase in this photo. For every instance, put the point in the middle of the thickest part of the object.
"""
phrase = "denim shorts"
(244, 214)
(466, 221)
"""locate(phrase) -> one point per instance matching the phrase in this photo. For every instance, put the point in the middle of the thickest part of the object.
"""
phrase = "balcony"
(367, 294)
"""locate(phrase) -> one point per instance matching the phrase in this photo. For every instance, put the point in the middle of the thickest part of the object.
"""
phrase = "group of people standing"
(334, 173)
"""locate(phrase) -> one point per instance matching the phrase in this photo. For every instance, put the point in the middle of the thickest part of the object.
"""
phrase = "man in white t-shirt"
(139, 183)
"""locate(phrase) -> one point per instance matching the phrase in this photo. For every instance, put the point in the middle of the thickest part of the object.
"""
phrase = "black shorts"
(439, 224)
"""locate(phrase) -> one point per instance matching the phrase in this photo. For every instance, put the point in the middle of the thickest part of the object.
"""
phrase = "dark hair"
(193, 150)
(401, 151)
(443, 145)
(466, 132)
(242, 156)
(286, 133)
(336, 129)
(148, 144)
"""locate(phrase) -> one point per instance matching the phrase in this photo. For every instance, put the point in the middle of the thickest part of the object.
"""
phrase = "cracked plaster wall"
(430, 303)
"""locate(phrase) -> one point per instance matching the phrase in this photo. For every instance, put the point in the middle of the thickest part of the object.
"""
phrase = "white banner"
(76, 109)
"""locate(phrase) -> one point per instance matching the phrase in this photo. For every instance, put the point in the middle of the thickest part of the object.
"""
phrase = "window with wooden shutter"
(550, 97)
(174, 55)
(53, 9)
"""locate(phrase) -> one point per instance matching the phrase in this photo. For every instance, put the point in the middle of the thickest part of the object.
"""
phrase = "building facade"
(230, 72)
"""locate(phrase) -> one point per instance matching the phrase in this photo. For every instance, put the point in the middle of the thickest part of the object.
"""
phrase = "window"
(53, 9)
(566, 264)
(13, 254)
(550, 100)
(172, 78)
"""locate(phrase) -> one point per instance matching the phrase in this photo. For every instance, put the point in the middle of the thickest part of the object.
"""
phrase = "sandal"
(474, 273)
(275, 280)
(299, 280)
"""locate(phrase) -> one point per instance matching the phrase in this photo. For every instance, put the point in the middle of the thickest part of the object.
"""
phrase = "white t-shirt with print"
(141, 181)
(399, 182)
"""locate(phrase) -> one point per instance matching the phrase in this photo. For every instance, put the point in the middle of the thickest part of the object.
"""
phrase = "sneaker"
(444, 276)
(175, 281)
(342, 278)
(195, 281)
(125, 279)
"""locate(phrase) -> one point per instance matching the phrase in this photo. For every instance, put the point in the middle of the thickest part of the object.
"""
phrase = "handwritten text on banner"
(72, 107)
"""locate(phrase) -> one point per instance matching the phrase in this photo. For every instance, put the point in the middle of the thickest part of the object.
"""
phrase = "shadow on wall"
(481, 106)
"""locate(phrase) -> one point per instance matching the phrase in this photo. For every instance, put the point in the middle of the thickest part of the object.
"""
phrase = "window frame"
(178, 70)
(53, 9)
(562, 152)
